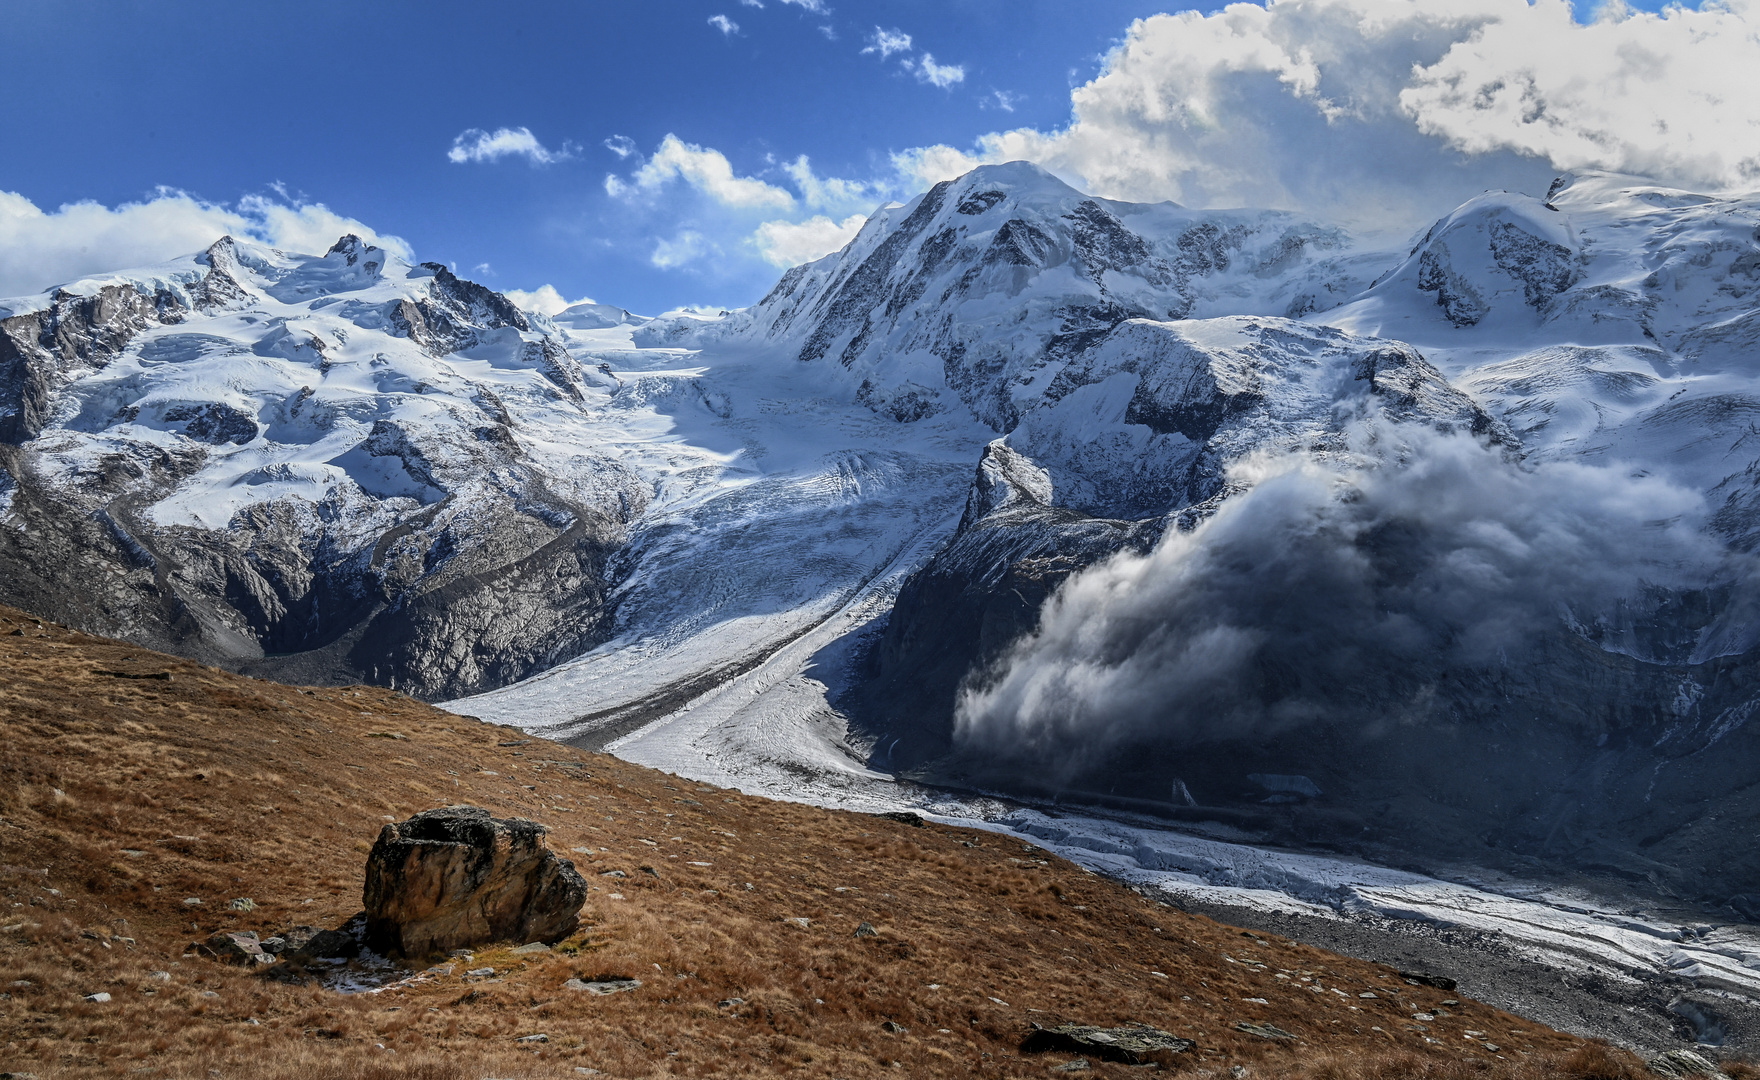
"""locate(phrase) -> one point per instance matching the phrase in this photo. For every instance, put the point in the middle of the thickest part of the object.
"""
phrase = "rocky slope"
(151, 802)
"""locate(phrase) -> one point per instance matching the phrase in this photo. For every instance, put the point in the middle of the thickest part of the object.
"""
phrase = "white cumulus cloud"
(724, 24)
(39, 248)
(477, 145)
(790, 243)
(1667, 95)
(707, 170)
(545, 299)
(1387, 112)
(886, 42)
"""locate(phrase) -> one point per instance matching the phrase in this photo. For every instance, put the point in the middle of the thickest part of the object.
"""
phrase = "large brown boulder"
(452, 878)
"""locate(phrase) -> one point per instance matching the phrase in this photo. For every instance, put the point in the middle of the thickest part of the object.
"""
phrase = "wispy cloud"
(477, 145)
(687, 247)
(829, 192)
(942, 75)
(759, 4)
(1001, 99)
(621, 145)
(724, 24)
(886, 42)
(817, 7)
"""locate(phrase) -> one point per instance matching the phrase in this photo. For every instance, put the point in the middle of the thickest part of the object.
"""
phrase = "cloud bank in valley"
(1306, 597)
(43, 248)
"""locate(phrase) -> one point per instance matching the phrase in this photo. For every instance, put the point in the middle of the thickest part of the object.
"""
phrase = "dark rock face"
(451, 878)
(41, 350)
(306, 943)
(213, 423)
(976, 596)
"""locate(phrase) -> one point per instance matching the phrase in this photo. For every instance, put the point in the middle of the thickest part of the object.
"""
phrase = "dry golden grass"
(122, 797)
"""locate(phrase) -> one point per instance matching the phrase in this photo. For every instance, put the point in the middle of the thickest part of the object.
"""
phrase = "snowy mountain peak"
(962, 297)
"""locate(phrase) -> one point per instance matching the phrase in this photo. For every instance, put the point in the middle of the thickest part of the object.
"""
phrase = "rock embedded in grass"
(1134, 1044)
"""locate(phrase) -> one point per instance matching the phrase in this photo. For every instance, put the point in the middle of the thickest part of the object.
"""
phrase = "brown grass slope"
(123, 798)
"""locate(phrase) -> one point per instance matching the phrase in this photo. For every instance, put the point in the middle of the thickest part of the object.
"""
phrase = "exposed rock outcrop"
(1133, 1044)
(451, 878)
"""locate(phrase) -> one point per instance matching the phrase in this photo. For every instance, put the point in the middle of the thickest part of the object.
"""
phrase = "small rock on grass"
(235, 947)
(603, 985)
(533, 947)
(538, 1038)
(1421, 978)
(99, 997)
(867, 930)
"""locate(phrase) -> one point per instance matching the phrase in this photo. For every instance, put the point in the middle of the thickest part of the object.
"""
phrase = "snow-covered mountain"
(338, 467)
(922, 504)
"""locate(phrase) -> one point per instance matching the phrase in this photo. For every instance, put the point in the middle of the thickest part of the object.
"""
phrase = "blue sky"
(357, 105)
